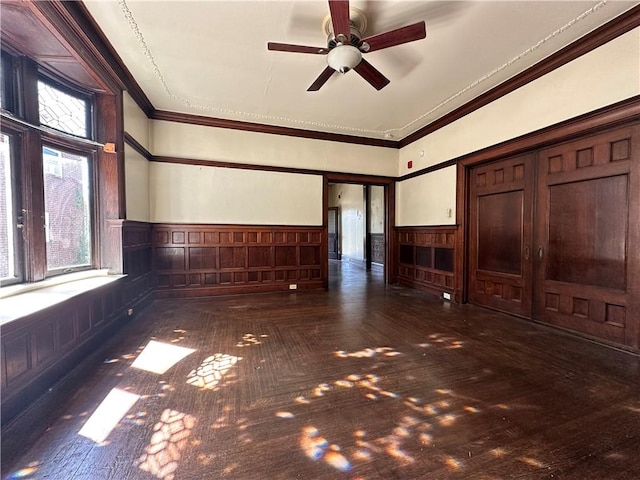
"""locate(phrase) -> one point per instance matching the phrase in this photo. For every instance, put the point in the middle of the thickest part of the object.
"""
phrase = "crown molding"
(79, 15)
(619, 26)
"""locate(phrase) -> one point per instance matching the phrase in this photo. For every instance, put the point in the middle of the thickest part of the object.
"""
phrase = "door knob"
(527, 252)
(540, 252)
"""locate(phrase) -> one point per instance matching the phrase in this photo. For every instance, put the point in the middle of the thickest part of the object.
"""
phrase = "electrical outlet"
(293, 286)
(446, 296)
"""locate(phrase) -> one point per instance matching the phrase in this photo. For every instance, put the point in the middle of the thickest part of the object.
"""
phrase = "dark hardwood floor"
(365, 381)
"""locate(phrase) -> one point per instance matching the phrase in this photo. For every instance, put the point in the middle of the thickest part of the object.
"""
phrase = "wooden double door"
(554, 235)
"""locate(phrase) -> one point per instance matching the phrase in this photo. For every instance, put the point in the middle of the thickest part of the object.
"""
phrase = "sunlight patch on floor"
(249, 339)
(442, 341)
(533, 462)
(453, 464)
(212, 371)
(108, 414)
(158, 357)
(368, 353)
(170, 438)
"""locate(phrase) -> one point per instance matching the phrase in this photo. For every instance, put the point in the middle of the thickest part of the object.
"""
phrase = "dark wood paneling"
(587, 232)
(587, 236)
(377, 247)
(426, 258)
(136, 257)
(578, 240)
(16, 358)
(619, 114)
(138, 265)
(500, 234)
(198, 260)
(25, 31)
(40, 348)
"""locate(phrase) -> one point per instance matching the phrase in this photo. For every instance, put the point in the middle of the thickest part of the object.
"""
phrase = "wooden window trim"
(105, 118)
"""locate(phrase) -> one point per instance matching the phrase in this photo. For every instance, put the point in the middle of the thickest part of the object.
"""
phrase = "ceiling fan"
(345, 45)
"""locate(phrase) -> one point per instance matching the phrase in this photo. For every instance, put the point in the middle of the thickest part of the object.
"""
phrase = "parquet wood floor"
(365, 381)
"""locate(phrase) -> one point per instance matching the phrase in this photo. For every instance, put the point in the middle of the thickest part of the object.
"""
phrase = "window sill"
(21, 300)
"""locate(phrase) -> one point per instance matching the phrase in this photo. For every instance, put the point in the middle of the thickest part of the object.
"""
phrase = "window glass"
(7, 230)
(62, 111)
(3, 82)
(67, 209)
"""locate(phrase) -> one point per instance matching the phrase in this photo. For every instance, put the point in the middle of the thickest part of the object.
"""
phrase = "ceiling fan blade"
(399, 36)
(287, 47)
(339, 10)
(321, 80)
(371, 75)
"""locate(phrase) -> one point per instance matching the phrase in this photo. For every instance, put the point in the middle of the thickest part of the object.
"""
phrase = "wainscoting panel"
(136, 262)
(426, 258)
(201, 260)
(40, 348)
(377, 248)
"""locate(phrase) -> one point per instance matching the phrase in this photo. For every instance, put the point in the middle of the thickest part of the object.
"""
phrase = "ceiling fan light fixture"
(343, 58)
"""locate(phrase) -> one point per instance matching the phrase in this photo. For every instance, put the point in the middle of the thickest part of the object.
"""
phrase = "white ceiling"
(210, 57)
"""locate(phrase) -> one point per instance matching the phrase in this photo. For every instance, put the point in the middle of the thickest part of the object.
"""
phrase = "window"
(5, 82)
(48, 164)
(9, 237)
(67, 210)
(63, 111)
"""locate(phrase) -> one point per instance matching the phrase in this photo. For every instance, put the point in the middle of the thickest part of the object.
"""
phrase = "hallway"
(365, 381)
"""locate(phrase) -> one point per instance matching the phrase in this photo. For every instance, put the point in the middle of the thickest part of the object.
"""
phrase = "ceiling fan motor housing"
(355, 39)
(343, 58)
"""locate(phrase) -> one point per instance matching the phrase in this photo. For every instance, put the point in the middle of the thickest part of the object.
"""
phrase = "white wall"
(222, 195)
(376, 199)
(136, 167)
(136, 122)
(136, 171)
(604, 76)
(197, 194)
(350, 199)
(208, 143)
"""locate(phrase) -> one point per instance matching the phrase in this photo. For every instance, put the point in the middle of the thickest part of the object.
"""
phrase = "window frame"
(17, 213)
(73, 91)
(8, 62)
(50, 140)
(22, 123)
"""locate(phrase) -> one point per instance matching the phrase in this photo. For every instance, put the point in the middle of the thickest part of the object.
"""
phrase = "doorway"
(358, 223)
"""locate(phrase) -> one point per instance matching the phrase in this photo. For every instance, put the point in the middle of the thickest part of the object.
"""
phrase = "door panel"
(587, 232)
(586, 228)
(500, 232)
(500, 235)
